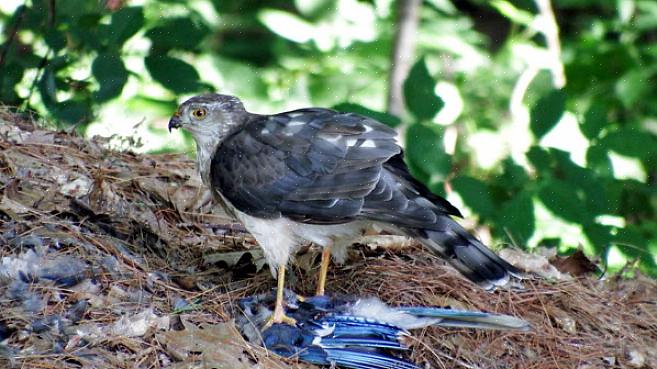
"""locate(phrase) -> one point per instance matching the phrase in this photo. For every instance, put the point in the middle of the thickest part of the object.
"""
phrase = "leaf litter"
(115, 260)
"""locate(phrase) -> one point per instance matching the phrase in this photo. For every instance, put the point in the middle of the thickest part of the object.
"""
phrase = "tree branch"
(550, 30)
(20, 12)
(402, 53)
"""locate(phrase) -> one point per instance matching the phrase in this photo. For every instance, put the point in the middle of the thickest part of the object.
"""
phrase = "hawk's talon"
(279, 317)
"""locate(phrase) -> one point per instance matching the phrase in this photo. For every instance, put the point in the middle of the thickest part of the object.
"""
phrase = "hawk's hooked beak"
(175, 122)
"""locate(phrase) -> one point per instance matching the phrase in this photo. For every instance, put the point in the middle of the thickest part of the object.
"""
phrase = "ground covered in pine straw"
(117, 260)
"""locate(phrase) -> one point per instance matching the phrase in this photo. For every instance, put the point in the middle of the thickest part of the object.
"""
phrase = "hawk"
(322, 176)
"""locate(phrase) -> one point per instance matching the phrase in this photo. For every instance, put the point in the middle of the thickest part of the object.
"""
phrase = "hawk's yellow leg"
(278, 316)
(323, 270)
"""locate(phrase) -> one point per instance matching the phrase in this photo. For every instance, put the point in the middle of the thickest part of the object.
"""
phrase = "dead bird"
(352, 332)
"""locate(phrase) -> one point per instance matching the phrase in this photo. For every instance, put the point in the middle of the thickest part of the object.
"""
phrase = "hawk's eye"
(199, 113)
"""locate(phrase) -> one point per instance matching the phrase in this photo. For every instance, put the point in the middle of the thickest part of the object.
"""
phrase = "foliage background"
(488, 121)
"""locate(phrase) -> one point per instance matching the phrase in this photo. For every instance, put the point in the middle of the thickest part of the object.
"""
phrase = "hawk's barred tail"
(467, 254)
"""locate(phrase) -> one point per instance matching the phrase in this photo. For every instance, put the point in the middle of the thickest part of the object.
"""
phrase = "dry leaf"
(137, 325)
(576, 264)
(532, 263)
(232, 258)
(219, 345)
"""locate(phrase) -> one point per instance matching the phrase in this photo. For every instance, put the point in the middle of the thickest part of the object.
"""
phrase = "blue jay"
(350, 332)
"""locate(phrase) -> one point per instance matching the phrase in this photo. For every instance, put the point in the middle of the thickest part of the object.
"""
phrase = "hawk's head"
(208, 115)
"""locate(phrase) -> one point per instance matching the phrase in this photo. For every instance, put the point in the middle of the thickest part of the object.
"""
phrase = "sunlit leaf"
(633, 86)
(419, 94)
(547, 112)
(315, 8)
(287, 25)
(646, 19)
(512, 13)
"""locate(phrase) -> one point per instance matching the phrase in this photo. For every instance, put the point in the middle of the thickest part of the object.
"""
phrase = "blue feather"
(362, 342)
(366, 360)
(467, 319)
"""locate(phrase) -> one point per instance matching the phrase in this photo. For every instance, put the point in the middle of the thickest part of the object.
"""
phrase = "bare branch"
(550, 29)
(402, 54)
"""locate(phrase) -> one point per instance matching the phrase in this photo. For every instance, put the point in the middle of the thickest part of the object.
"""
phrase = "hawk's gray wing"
(320, 166)
(317, 166)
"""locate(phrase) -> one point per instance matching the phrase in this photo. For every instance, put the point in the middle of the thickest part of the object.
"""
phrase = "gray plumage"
(323, 176)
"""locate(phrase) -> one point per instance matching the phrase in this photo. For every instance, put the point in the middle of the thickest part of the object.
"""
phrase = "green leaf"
(648, 262)
(72, 111)
(631, 242)
(513, 176)
(631, 142)
(11, 75)
(547, 111)
(648, 265)
(54, 39)
(419, 95)
(599, 235)
(515, 15)
(635, 199)
(48, 88)
(594, 121)
(177, 33)
(597, 158)
(109, 71)
(516, 218)
(585, 182)
(384, 118)
(539, 158)
(633, 86)
(475, 194)
(315, 8)
(174, 74)
(125, 23)
(424, 149)
(563, 200)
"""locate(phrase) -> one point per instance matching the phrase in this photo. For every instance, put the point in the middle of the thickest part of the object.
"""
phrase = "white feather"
(376, 309)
